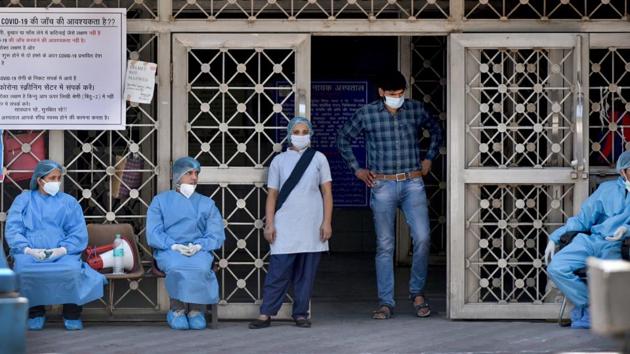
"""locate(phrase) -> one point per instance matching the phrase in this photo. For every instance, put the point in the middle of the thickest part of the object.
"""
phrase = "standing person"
(298, 224)
(184, 227)
(392, 126)
(46, 233)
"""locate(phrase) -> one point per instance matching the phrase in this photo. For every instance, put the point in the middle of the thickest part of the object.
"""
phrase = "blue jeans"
(386, 198)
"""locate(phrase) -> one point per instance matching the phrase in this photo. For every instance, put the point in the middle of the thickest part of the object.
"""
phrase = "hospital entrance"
(532, 123)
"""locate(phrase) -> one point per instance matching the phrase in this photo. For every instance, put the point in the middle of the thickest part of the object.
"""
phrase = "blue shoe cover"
(576, 314)
(37, 323)
(197, 321)
(580, 324)
(177, 321)
(73, 325)
(584, 322)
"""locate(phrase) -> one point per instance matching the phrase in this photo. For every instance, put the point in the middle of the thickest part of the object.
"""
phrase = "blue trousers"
(296, 268)
(573, 257)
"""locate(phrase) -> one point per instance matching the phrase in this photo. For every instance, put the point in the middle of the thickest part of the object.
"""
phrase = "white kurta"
(299, 219)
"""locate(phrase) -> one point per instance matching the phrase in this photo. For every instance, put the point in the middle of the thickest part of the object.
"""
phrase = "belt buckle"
(404, 176)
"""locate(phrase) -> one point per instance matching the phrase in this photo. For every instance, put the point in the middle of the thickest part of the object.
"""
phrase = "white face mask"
(187, 189)
(300, 141)
(626, 183)
(52, 188)
(394, 102)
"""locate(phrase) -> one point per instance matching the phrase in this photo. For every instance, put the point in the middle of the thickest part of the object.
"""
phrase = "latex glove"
(619, 234)
(182, 249)
(36, 253)
(550, 251)
(192, 249)
(54, 253)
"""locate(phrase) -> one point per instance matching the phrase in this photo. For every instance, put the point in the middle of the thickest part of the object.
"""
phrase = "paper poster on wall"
(62, 68)
(140, 81)
(1, 157)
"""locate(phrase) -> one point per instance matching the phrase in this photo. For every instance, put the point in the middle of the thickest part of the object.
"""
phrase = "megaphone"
(103, 257)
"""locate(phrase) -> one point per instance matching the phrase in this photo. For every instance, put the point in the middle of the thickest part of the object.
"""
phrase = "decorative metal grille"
(311, 9)
(239, 104)
(507, 228)
(113, 174)
(428, 84)
(547, 9)
(518, 102)
(135, 8)
(609, 96)
(20, 159)
(243, 259)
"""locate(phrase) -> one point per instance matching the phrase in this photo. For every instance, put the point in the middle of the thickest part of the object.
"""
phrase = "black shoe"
(303, 323)
(258, 324)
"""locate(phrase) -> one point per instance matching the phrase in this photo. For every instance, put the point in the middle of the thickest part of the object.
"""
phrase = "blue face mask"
(394, 102)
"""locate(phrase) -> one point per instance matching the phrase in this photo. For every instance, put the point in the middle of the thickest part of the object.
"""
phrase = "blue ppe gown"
(172, 218)
(42, 221)
(600, 215)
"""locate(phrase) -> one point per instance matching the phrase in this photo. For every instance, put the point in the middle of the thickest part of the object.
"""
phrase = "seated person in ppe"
(184, 227)
(46, 233)
(603, 224)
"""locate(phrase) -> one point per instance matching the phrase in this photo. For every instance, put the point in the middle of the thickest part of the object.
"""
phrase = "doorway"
(343, 75)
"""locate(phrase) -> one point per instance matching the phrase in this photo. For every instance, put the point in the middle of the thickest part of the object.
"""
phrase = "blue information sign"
(332, 104)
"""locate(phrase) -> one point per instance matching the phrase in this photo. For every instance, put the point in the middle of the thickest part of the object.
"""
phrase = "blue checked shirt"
(392, 140)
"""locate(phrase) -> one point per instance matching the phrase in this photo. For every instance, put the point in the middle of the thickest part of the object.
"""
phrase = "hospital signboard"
(62, 68)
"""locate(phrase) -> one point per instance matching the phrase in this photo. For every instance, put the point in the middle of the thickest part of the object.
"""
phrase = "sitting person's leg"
(197, 316)
(72, 316)
(36, 317)
(562, 271)
(64, 281)
(189, 280)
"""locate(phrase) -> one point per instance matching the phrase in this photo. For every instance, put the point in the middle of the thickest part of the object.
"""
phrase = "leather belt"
(400, 176)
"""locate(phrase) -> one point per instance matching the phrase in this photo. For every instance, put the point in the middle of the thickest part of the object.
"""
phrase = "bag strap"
(295, 176)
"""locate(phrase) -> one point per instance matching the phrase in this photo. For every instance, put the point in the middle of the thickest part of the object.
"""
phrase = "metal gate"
(518, 162)
(232, 98)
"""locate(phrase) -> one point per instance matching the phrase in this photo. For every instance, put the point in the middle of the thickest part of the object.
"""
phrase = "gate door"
(518, 166)
(232, 98)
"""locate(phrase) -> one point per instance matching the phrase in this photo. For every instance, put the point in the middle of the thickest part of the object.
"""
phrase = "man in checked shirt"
(392, 126)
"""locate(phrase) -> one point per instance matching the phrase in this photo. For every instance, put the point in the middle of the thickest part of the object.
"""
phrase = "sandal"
(420, 309)
(383, 313)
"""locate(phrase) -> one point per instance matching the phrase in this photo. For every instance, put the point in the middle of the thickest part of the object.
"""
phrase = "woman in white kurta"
(299, 231)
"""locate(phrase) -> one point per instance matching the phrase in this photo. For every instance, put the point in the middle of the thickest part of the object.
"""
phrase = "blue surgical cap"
(182, 166)
(298, 120)
(43, 168)
(623, 161)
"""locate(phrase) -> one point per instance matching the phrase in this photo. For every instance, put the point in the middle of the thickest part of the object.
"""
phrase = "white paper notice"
(140, 81)
(62, 68)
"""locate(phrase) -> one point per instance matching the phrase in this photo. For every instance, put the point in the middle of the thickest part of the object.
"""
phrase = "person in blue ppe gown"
(603, 223)
(184, 227)
(46, 233)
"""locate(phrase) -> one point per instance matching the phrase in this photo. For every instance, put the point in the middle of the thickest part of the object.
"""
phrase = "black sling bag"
(295, 176)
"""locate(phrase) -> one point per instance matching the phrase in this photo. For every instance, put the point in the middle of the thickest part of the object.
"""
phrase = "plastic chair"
(105, 234)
